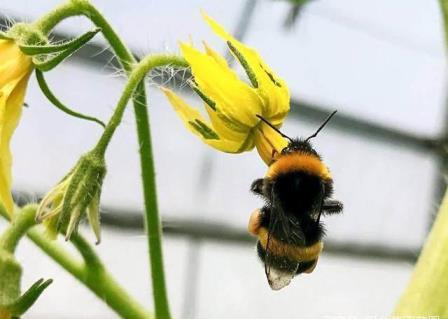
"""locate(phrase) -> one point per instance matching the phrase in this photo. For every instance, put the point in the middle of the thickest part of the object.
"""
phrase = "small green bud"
(77, 195)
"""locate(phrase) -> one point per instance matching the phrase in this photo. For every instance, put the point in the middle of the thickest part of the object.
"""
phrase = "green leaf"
(55, 101)
(71, 45)
(21, 305)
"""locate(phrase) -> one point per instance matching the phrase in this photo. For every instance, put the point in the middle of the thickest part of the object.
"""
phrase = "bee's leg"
(257, 220)
(332, 206)
(257, 186)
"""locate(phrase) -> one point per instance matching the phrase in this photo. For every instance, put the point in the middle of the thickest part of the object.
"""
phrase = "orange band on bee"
(298, 161)
(297, 253)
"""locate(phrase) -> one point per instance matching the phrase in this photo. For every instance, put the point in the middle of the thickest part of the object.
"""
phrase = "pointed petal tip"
(164, 89)
(97, 237)
(210, 21)
(204, 14)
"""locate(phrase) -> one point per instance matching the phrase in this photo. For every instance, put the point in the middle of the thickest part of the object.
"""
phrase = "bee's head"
(297, 145)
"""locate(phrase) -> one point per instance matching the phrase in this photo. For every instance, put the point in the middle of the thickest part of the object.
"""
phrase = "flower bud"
(76, 195)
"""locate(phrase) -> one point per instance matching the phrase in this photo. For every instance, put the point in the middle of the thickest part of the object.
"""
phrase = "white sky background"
(382, 61)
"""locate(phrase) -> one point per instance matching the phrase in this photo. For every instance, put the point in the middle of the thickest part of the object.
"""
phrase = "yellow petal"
(268, 142)
(13, 63)
(235, 99)
(195, 122)
(14, 74)
(223, 130)
(215, 55)
(273, 89)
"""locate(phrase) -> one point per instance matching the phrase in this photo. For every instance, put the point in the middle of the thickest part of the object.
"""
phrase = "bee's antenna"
(273, 127)
(322, 126)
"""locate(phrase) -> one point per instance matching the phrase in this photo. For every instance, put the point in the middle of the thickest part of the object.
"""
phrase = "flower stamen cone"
(232, 104)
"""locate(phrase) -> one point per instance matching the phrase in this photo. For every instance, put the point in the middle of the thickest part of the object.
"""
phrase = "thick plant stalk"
(426, 294)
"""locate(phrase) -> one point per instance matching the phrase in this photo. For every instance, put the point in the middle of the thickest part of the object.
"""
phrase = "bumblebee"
(297, 190)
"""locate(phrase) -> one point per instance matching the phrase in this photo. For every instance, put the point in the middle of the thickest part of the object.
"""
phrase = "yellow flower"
(232, 104)
(15, 69)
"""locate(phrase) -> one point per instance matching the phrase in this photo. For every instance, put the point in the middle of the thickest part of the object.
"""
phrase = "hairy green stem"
(18, 227)
(48, 21)
(134, 87)
(90, 271)
(136, 80)
(152, 219)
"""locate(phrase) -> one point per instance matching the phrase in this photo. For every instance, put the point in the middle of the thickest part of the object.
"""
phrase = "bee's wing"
(289, 226)
(277, 278)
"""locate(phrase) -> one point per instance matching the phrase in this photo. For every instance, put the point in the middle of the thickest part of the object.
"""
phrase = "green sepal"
(71, 45)
(83, 194)
(55, 101)
(72, 191)
(93, 216)
(89, 188)
(45, 63)
(22, 304)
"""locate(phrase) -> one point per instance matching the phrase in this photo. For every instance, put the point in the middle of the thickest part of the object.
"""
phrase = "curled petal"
(15, 68)
(269, 143)
(234, 98)
(11, 102)
(195, 122)
(273, 89)
(14, 65)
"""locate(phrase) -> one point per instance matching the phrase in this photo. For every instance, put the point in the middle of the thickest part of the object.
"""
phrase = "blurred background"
(380, 63)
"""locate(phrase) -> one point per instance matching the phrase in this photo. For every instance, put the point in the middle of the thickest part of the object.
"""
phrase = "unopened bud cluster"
(77, 195)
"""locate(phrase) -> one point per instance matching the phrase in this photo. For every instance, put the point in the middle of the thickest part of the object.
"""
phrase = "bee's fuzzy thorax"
(299, 161)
